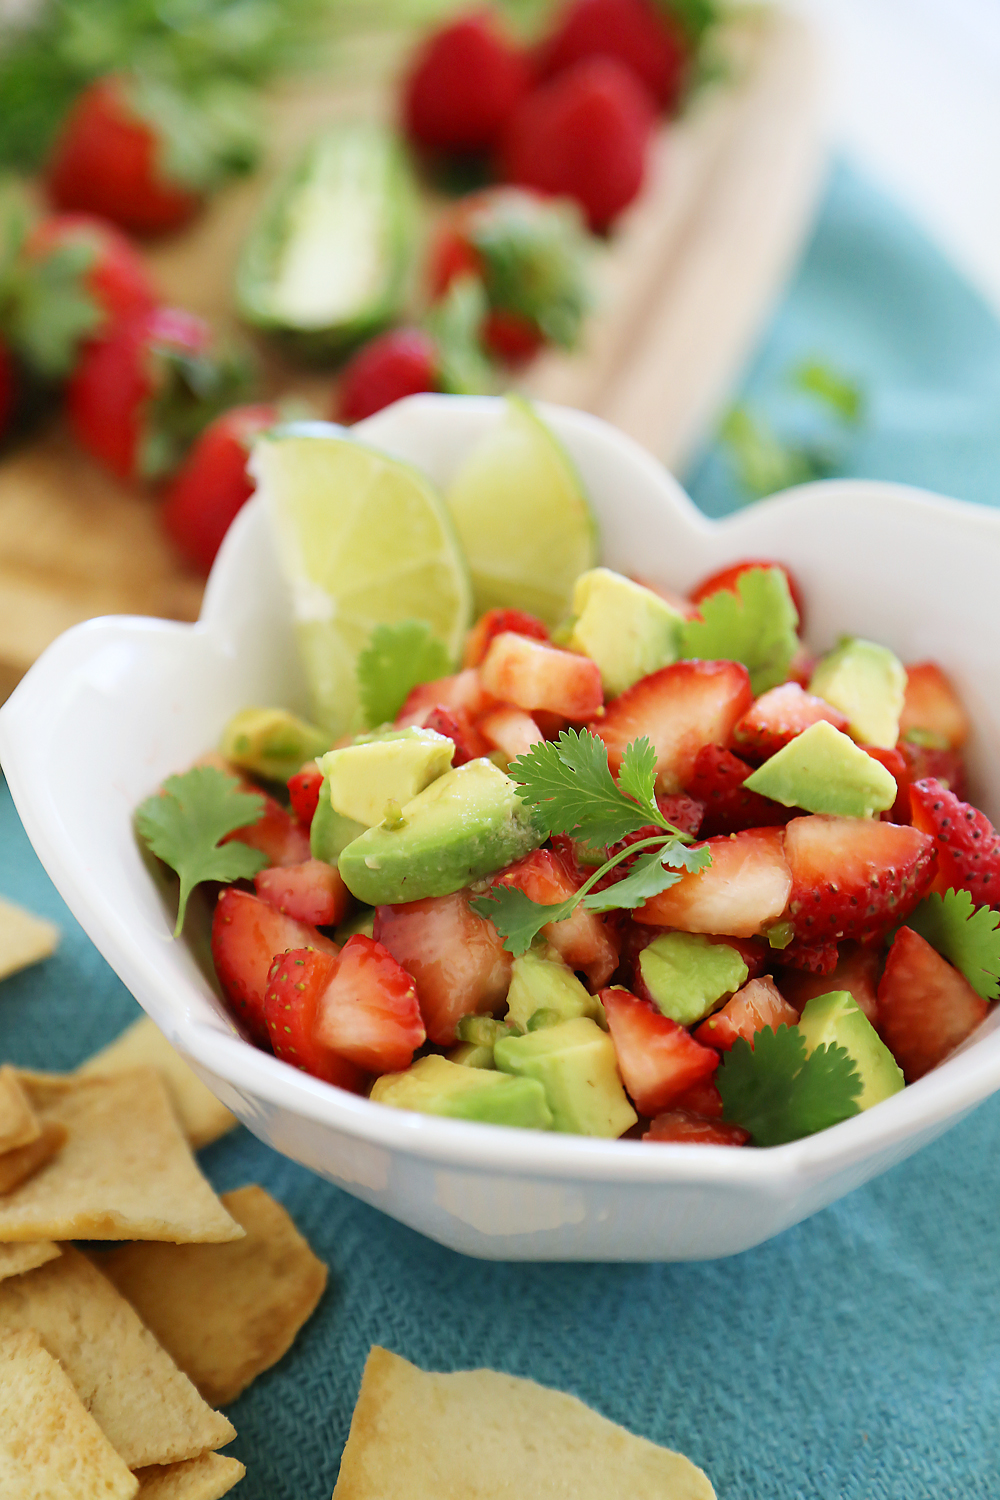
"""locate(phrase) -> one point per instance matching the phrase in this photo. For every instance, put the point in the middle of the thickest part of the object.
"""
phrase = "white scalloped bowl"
(115, 705)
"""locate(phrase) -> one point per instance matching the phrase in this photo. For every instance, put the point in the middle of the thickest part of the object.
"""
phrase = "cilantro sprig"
(778, 1093)
(569, 782)
(757, 625)
(184, 821)
(396, 659)
(966, 936)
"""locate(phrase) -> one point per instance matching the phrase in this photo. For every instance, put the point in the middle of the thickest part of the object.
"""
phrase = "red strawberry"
(854, 877)
(778, 716)
(511, 337)
(533, 675)
(310, 892)
(742, 892)
(139, 398)
(659, 1060)
(496, 622)
(456, 958)
(810, 958)
(716, 780)
(296, 983)
(967, 844)
(923, 762)
(459, 731)
(212, 484)
(726, 578)
(932, 705)
(8, 391)
(925, 1007)
(368, 1010)
(683, 812)
(276, 834)
(466, 80)
(463, 694)
(680, 1127)
(401, 362)
(584, 135)
(509, 730)
(702, 1099)
(583, 940)
(246, 934)
(640, 35)
(303, 792)
(758, 1004)
(857, 971)
(679, 709)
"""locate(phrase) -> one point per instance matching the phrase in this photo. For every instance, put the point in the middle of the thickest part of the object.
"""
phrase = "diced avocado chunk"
(466, 824)
(867, 683)
(330, 832)
(469, 1055)
(575, 1063)
(434, 1086)
(626, 629)
(541, 981)
(687, 975)
(824, 771)
(271, 742)
(362, 778)
(477, 1036)
(361, 921)
(837, 1018)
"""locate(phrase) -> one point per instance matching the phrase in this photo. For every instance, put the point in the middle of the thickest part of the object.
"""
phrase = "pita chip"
(17, 1166)
(24, 938)
(206, 1478)
(125, 1172)
(148, 1410)
(418, 1436)
(143, 1045)
(47, 1432)
(16, 1259)
(225, 1313)
(18, 1122)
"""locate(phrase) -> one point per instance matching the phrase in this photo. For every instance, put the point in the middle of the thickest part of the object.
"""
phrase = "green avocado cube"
(824, 771)
(271, 742)
(687, 975)
(867, 683)
(540, 980)
(837, 1018)
(362, 778)
(576, 1064)
(330, 832)
(626, 629)
(434, 1086)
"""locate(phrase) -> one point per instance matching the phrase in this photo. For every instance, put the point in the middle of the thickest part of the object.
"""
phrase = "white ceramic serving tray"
(115, 705)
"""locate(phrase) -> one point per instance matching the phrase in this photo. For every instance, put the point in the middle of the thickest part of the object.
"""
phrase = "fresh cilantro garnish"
(842, 397)
(397, 658)
(184, 821)
(967, 937)
(779, 1094)
(756, 625)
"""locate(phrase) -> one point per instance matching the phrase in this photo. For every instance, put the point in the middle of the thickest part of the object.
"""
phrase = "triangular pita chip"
(145, 1407)
(206, 1478)
(416, 1436)
(16, 1259)
(18, 1165)
(18, 1122)
(225, 1312)
(24, 939)
(125, 1172)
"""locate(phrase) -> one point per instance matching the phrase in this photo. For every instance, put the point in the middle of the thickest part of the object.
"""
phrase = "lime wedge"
(523, 518)
(363, 540)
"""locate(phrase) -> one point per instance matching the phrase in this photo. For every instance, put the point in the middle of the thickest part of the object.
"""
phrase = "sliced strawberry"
(742, 892)
(658, 1060)
(583, 940)
(368, 1011)
(931, 704)
(967, 844)
(463, 693)
(716, 780)
(702, 1099)
(310, 892)
(296, 983)
(679, 709)
(533, 675)
(509, 729)
(758, 1004)
(276, 834)
(303, 792)
(463, 735)
(246, 934)
(857, 971)
(811, 958)
(925, 1007)
(680, 1127)
(684, 812)
(923, 762)
(727, 578)
(456, 958)
(778, 716)
(854, 877)
(499, 622)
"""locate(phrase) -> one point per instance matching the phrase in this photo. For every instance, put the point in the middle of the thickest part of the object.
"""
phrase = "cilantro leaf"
(184, 821)
(843, 397)
(756, 625)
(648, 877)
(396, 659)
(779, 1094)
(569, 780)
(637, 774)
(763, 463)
(517, 918)
(965, 936)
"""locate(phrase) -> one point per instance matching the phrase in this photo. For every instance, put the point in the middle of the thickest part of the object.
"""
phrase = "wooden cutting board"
(685, 286)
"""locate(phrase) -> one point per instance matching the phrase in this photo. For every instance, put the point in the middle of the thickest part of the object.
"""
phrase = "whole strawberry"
(212, 484)
(401, 362)
(464, 85)
(8, 391)
(638, 33)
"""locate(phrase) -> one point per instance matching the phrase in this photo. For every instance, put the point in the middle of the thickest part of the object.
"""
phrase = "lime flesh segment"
(523, 518)
(362, 540)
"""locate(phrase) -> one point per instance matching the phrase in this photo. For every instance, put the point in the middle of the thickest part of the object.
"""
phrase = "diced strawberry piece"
(778, 716)
(551, 725)
(464, 691)
(802, 666)
(892, 759)
(532, 675)
(296, 983)
(680, 1127)
(658, 1059)
(456, 958)
(742, 892)
(310, 892)
(923, 762)
(466, 81)
(716, 780)
(582, 939)
(303, 792)
(276, 834)
(500, 622)
(510, 730)
(702, 1099)
(246, 934)
(854, 877)
(926, 1008)
(679, 709)
(967, 844)
(857, 971)
(758, 1004)
(727, 578)
(811, 958)
(465, 738)
(684, 812)
(644, 37)
(931, 704)
(369, 1012)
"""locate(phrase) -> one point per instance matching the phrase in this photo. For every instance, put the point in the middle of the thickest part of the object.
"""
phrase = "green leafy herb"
(779, 1094)
(184, 821)
(535, 258)
(763, 463)
(756, 625)
(966, 936)
(842, 396)
(397, 658)
(568, 779)
(455, 323)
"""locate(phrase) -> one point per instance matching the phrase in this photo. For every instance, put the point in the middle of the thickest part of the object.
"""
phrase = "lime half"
(522, 517)
(363, 540)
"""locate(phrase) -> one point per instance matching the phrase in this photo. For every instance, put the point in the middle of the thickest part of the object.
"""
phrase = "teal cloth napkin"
(856, 1356)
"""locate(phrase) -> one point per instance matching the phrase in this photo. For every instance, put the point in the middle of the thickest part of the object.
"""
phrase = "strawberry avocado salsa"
(655, 873)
